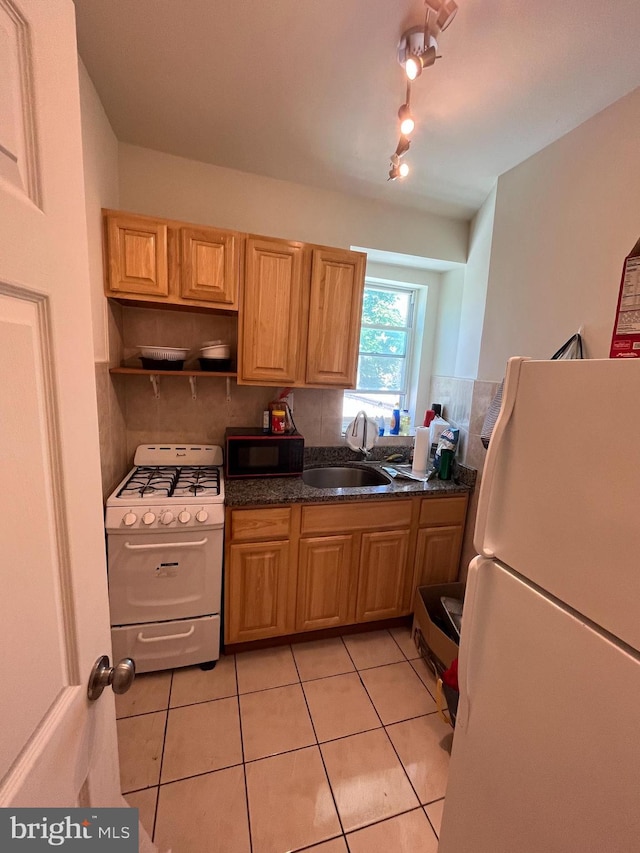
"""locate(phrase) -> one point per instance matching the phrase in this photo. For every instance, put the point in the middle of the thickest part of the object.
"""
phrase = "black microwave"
(252, 453)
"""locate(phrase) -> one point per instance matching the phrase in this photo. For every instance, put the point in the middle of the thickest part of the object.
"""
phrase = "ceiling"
(308, 90)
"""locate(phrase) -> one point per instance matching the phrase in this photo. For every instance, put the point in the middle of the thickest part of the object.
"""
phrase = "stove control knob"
(148, 518)
(130, 518)
(202, 516)
(184, 517)
(166, 517)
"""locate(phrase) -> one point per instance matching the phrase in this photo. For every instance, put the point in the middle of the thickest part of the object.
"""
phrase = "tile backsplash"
(465, 403)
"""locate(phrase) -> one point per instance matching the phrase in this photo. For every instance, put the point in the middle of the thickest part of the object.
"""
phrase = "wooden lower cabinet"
(258, 591)
(291, 569)
(438, 554)
(382, 579)
(324, 575)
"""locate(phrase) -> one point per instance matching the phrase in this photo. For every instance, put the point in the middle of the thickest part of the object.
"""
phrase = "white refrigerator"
(546, 751)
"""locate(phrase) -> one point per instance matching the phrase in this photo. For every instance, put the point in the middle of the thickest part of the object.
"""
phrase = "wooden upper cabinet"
(272, 312)
(136, 256)
(162, 261)
(210, 266)
(300, 320)
(335, 307)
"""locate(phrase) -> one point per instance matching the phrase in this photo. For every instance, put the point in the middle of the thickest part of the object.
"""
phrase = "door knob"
(120, 676)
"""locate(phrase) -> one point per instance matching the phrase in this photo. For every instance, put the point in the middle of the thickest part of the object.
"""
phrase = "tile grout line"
(420, 677)
(283, 752)
(386, 819)
(426, 814)
(244, 766)
(315, 734)
(164, 740)
(317, 844)
(404, 769)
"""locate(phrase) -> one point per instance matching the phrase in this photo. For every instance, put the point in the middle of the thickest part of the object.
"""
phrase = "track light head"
(407, 122)
(398, 171)
(417, 50)
(415, 65)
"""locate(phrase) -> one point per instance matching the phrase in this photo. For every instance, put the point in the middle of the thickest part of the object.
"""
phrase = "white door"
(56, 748)
(546, 754)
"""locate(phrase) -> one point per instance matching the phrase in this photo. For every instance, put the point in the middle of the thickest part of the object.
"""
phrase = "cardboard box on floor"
(426, 605)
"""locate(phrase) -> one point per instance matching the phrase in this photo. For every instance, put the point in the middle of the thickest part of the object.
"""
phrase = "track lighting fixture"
(414, 65)
(403, 147)
(417, 50)
(407, 122)
(398, 171)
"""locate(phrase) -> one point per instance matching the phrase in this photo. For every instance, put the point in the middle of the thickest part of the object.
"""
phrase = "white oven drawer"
(165, 645)
(156, 577)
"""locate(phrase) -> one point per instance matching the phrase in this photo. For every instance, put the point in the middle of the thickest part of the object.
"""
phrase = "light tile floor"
(331, 746)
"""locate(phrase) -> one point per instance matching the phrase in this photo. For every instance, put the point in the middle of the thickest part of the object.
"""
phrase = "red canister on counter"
(278, 421)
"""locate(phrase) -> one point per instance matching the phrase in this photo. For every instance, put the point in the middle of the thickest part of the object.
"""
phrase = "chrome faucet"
(354, 431)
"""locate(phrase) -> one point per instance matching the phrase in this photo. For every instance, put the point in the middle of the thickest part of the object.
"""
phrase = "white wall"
(564, 221)
(447, 331)
(164, 185)
(100, 160)
(476, 280)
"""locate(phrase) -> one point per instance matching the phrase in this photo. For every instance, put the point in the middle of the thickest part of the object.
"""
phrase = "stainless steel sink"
(343, 477)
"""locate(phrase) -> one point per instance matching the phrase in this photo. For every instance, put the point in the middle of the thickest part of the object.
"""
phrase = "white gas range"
(164, 526)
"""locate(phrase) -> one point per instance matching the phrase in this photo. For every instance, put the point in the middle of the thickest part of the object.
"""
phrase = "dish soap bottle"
(394, 428)
(380, 421)
(405, 422)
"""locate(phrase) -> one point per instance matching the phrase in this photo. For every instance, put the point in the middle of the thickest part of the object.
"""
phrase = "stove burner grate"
(167, 481)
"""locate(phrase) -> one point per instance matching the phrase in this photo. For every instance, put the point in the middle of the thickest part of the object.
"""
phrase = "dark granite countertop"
(279, 490)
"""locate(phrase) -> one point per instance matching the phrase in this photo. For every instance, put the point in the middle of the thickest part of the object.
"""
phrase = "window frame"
(409, 330)
(403, 397)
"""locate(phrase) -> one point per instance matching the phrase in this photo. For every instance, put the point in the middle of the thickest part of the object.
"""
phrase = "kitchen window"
(385, 352)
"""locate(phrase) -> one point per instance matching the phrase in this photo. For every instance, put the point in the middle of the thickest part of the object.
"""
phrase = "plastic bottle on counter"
(405, 422)
(429, 415)
(380, 421)
(394, 428)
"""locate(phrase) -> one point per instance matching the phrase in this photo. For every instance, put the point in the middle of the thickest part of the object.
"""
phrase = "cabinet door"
(324, 570)
(210, 266)
(257, 581)
(136, 256)
(382, 580)
(335, 307)
(438, 554)
(272, 313)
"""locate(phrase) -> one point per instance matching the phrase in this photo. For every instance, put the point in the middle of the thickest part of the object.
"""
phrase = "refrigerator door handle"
(482, 534)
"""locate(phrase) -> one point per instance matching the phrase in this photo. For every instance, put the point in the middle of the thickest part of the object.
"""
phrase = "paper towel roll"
(421, 451)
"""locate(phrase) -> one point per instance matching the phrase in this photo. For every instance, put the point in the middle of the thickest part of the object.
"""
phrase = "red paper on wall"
(625, 342)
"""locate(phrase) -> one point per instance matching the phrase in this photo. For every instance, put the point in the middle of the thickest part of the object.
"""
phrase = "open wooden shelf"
(143, 372)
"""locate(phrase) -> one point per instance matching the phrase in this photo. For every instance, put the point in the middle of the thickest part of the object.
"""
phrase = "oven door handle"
(188, 633)
(156, 546)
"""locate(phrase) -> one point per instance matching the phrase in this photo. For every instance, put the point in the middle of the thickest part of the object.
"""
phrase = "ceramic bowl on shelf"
(164, 353)
(215, 350)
